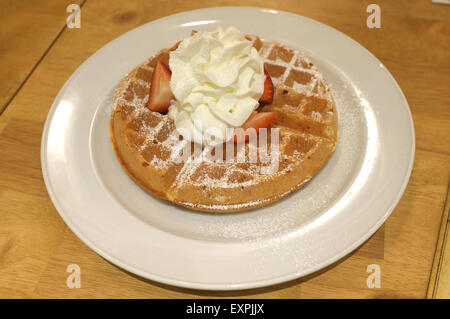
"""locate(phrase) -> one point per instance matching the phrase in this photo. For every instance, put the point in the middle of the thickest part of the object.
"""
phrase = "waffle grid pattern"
(161, 148)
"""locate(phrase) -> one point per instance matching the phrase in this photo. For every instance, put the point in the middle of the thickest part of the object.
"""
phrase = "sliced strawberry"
(160, 92)
(267, 96)
(256, 121)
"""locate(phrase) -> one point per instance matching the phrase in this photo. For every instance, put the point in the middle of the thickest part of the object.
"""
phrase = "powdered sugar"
(296, 64)
(130, 94)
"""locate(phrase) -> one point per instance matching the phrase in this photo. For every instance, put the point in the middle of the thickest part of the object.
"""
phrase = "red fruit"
(160, 92)
(267, 96)
(255, 121)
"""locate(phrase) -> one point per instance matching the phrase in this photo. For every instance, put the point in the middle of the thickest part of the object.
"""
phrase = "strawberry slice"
(160, 92)
(256, 121)
(267, 96)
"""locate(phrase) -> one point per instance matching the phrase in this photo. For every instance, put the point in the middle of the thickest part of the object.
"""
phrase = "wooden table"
(37, 55)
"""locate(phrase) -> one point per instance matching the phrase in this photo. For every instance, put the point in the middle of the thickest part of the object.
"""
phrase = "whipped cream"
(217, 80)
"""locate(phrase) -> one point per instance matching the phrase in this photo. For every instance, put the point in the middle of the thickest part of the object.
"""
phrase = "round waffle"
(187, 174)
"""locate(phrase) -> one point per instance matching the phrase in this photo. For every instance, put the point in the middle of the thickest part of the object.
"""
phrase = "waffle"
(149, 150)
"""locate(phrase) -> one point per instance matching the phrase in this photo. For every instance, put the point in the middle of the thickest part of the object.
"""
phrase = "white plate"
(337, 211)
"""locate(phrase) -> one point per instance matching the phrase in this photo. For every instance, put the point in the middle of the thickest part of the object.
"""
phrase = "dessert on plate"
(223, 122)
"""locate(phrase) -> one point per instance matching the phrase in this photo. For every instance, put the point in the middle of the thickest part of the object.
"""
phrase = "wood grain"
(27, 30)
(439, 286)
(36, 246)
(443, 279)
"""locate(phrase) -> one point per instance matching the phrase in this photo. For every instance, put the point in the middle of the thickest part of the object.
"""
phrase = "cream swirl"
(217, 79)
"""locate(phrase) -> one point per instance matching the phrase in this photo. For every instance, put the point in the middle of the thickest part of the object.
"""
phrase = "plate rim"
(221, 286)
